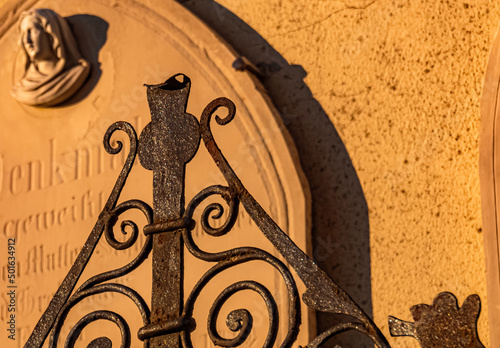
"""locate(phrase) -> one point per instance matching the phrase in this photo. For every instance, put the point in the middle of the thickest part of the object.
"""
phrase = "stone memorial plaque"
(55, 174)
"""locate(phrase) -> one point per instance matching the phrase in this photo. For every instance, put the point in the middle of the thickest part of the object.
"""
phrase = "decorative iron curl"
(228, 259)
(120, 182)
(113, 150)
(208, 138)
(241, 319)
(80, 295)
(231, 258)
(238, 320)
(120, 209)
(217, 208)
(213, 106)
(108, 230)
(101, 342)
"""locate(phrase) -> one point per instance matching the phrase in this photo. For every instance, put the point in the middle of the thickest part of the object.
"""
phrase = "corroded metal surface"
(166, 144)
(442, 324)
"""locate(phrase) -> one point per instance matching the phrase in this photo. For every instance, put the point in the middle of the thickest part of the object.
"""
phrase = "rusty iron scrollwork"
(165, 146)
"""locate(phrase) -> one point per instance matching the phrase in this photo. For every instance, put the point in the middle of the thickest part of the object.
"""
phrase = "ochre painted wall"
(401, 82)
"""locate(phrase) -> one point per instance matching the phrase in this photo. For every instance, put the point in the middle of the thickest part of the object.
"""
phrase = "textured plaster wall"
(400, 81)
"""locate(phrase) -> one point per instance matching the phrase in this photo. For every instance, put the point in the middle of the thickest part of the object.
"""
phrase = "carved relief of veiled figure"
(54, 69)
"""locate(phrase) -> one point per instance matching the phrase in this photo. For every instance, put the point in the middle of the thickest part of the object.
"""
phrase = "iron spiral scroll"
(166, 144)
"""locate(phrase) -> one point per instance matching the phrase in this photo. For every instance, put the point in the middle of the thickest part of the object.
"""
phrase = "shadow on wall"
(340, 235)
(91, 34)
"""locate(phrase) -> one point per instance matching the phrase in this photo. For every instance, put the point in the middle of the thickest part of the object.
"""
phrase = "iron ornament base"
(442, 324)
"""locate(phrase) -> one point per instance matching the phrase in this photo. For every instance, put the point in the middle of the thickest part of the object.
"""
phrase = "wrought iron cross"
(166, 144)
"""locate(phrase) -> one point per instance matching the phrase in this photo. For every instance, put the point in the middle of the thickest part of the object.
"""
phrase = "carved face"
(36, 42)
